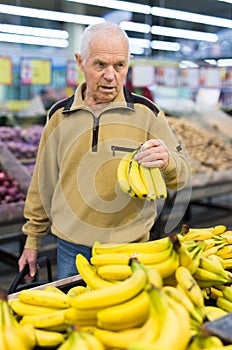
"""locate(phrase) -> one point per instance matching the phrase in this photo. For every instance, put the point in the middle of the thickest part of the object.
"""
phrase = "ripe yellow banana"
(213, 265)
(44, 298)
(212, 313)
(134, 312)
(180, 296)
(225, 252)
(206, 278)
(135, 180)
(174, 321)
(122, 174)
(123, 259)
(48, 338)
(224, 304)
(74, 291)
(45, 321)
(190, 286)
(114, 272)
(89, 274)
(13, 335)
(116, 293)
(146, 176)
(200, 341)
(154, 278)
(167, 268)
(121, 339)
(79, 317)
(93, 343)
(227, 292)
(227, 263)
(198, 234)
(22, 309)
(159, 183)
(154, 247)
(213, 250)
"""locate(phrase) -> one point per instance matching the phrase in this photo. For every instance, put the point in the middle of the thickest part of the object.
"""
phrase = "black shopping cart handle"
(17, 285)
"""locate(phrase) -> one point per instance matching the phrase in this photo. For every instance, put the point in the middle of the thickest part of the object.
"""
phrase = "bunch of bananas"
(135, 294)
(138, 181)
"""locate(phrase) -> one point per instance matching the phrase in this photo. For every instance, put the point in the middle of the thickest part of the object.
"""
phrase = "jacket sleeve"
(39, 196)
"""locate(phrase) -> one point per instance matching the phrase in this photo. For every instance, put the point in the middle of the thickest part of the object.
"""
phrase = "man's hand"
(29, 257)
(153, 153)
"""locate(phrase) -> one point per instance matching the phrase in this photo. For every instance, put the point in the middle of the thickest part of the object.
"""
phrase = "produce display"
(170, 288)
(10, 189)
(22, 142)
(138, 181)
(207, 151)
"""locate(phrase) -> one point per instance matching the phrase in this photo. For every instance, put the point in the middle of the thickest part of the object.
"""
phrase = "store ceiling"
(192, 48)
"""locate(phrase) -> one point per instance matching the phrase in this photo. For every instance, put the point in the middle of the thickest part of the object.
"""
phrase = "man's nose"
(109, 73)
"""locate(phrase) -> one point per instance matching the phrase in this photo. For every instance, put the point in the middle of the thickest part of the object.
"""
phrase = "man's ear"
(79, 60)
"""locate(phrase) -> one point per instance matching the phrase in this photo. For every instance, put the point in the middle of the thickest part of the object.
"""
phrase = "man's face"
(105, 69)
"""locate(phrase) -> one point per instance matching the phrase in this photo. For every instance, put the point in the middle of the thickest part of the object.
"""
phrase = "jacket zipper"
(95, 134)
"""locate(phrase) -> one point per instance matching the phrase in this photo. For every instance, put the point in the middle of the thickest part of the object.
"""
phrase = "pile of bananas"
(138, 181)
(137, 296)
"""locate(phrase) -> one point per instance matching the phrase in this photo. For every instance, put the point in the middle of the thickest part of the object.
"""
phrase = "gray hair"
(96, 30)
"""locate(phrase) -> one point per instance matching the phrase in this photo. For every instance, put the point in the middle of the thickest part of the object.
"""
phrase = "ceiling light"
(188, 64)
(34, 31)
(182, 33)
(135, 27)
(165, 45)
(212, 62)
(224, 62)
(49, 15)
(32, 40)
(118, 5)
(229, 1)
(192, 17)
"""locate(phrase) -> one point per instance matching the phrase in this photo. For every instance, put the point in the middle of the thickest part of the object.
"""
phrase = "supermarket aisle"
(200, 216)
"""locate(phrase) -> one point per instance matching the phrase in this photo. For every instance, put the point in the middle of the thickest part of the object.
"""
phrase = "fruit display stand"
(15, 183)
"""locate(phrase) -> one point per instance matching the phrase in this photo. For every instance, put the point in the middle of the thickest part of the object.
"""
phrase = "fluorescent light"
(34, 31)
(145, 43)
(135, 27)
(229, 1)
(188, 64)
(118, 5)
(191, 17)
(224, 62)
(182, 33)
(212, 62)
(165, 45)
(49, 15)
(32, 40)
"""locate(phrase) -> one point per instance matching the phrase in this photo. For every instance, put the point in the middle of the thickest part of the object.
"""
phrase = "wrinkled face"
(105, 68)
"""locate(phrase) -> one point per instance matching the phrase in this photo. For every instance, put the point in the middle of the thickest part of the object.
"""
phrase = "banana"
(116, 293)
(213, 265)
(89, 274)
(123, 259)
(224, 304)
(179, 295)
(190, 286)
(228, 236)
(227, 292)
(81, 317)
(53, 289)
(134, 312)
(214, 293)
(227, 263)
(209, 278)
(200, 341)
(48, 338)
(22, 309)
(198, 234)
(154, 278)
(93, 342)
(166, 268)
(13, 335)
(190, 258)
(174, 330)
(74, 291)
(159, 183)
(214, 312)
(146, 176)
(121, 339)
(44, 321)
(153, 247)
(225, 252)
(122, 174)
(213, 250)
(43, 297)
(114, 272)
(135, 180)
